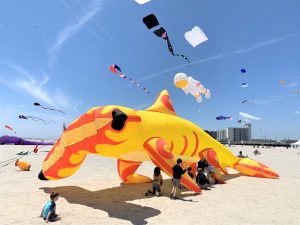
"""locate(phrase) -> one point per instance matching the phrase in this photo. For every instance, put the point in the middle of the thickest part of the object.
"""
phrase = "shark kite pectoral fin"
(210, 155)
(253, 168)
(126, 170)
(159, 153)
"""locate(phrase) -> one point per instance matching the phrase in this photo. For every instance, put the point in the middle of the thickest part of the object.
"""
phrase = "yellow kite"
(133, 136)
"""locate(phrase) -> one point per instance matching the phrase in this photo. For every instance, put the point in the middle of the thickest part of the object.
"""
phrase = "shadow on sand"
(231, 176)
(114, 201)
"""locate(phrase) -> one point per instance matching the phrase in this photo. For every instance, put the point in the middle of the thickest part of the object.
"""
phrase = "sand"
(95, 195)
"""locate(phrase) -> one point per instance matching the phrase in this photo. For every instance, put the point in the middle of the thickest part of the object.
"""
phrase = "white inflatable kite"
(191, 86)
(196, 36)
(141, 2)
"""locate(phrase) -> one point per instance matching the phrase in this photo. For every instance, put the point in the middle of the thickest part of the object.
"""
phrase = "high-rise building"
(235, 134)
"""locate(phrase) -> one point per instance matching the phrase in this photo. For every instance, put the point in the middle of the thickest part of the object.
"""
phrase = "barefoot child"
(157, 182)
(49, 210)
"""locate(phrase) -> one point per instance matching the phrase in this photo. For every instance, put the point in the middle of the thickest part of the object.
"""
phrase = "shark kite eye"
(119, 119)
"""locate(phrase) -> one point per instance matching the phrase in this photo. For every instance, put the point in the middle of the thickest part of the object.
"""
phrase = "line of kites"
(244, 85)
(34, 118)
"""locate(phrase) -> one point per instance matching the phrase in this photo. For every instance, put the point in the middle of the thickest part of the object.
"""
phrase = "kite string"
(77, 17)
(18, 157)
(95, 21)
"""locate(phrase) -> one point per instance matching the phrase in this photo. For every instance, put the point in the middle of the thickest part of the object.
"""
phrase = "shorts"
(156, 187)
(52, 218)
(176, 182)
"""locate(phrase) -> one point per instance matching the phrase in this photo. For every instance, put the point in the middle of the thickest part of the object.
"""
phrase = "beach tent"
(296, 144)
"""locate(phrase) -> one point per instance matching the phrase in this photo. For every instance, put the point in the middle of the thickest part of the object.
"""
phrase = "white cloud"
(292, 84)
(219, 56)
(297, 112)
(248, 116)
(70, 30)
(38, 88)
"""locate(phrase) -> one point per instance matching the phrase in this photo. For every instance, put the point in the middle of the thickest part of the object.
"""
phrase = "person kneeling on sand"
(49, 211)
(177, 173)
(156, 184)
(201, 179)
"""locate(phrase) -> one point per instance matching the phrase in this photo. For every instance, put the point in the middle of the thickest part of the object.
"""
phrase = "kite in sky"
(282, 82)
(224, 118)
(141, 2)
(52, 109)
(9, 128)
(151, 21)
(243, 70)
(34, 118)
(191, 86)
(196, 36)
(245, 84)
(115, 69)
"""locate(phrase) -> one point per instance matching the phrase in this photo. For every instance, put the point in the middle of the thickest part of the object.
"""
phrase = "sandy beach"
(95, 195)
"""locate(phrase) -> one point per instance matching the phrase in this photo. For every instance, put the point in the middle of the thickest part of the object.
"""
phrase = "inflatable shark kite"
(133, 136)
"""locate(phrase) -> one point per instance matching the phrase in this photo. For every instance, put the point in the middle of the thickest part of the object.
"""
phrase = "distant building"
(222, 135)
(214, 134)
(235, 134)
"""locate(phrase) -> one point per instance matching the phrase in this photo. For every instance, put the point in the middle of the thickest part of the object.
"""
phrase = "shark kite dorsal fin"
(163, 104)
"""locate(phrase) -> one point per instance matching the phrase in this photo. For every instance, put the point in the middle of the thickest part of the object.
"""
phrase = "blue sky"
(58, 53)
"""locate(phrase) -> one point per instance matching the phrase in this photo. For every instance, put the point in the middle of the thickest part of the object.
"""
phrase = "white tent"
(296, 144)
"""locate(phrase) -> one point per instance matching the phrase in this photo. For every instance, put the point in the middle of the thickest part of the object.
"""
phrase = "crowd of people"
(204, 181)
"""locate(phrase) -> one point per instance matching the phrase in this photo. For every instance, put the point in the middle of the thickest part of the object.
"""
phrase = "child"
(190, 172)
(178, 171)
(157, 182)
(201, 179)
(49, 210)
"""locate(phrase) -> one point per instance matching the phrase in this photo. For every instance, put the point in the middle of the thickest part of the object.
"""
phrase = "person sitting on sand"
(210, 173)
(177, 173)
(49, 211)
(201, 179)
(189, 171)
(241, 155)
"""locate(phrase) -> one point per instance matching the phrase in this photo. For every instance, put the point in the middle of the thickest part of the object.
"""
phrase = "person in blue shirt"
(49, 210)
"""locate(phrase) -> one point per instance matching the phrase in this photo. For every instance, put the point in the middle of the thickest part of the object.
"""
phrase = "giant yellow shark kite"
(133, 136)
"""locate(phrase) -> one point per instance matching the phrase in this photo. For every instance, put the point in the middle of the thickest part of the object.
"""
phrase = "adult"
(241, 155)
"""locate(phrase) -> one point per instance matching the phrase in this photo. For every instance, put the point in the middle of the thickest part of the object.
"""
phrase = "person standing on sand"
(178, 171)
